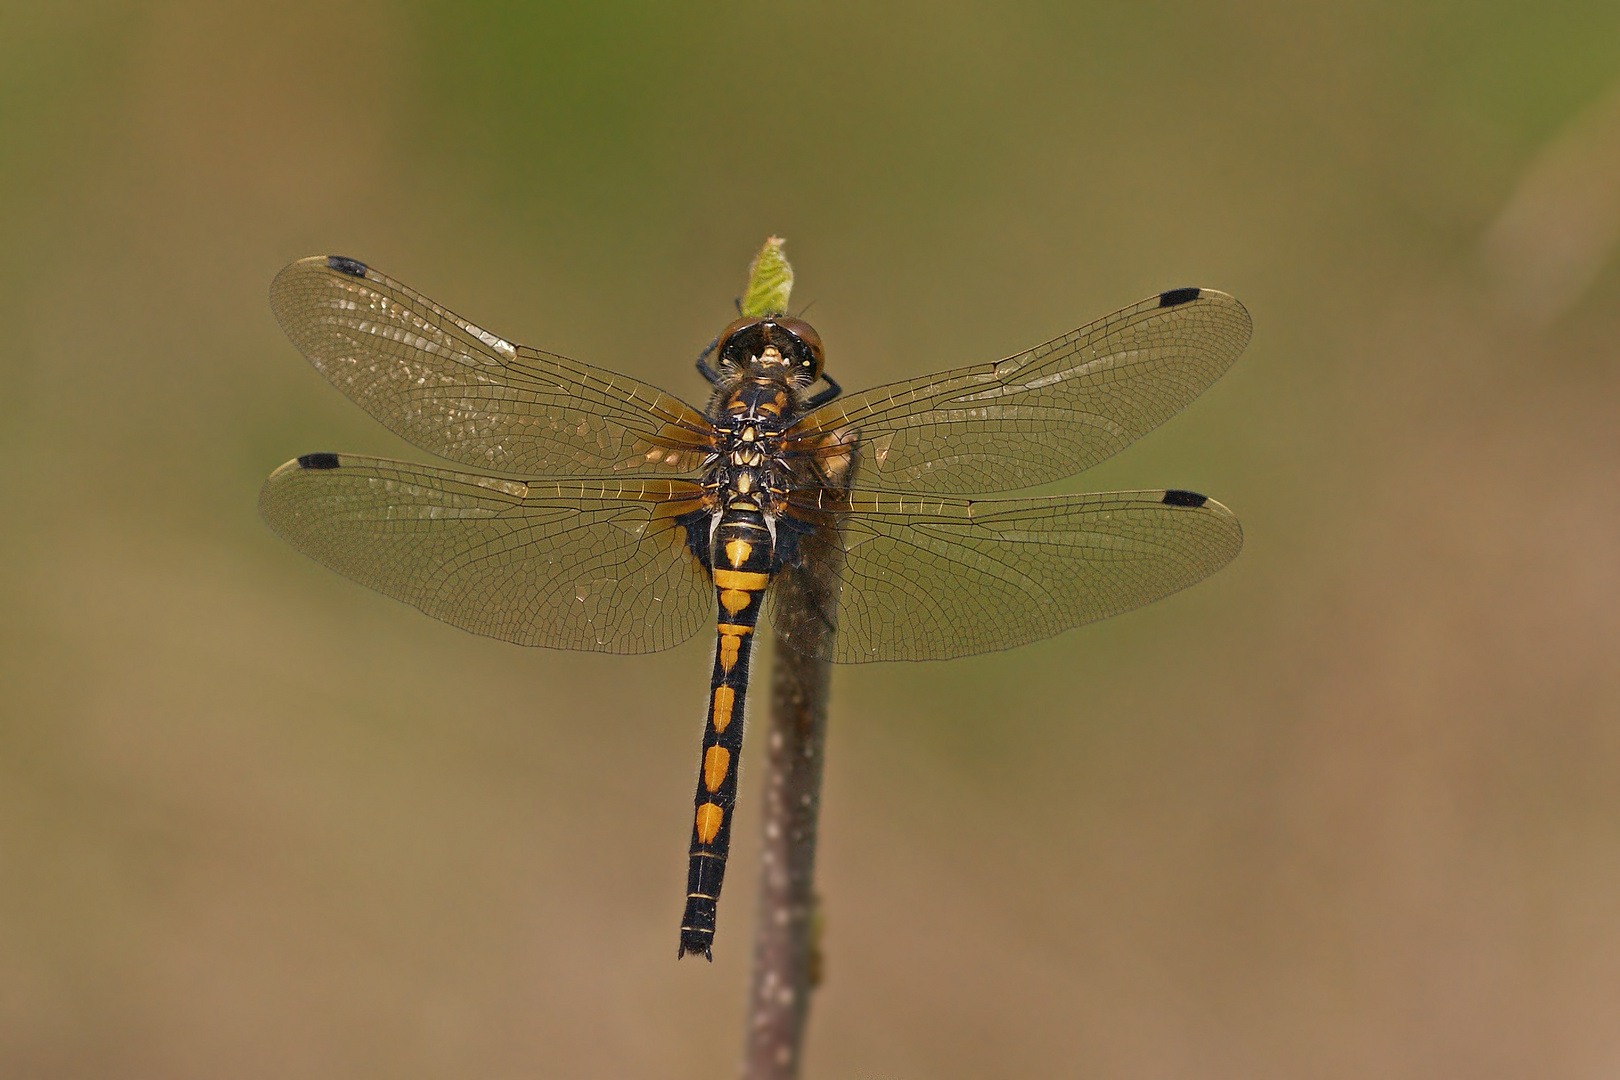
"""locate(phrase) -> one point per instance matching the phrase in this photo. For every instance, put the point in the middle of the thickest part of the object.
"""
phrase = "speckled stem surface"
(786, 950)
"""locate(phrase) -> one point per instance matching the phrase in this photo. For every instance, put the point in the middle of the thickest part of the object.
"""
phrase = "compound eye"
(739, 341)
(811, 358)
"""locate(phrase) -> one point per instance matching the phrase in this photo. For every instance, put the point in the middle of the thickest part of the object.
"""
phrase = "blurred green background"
(1350, 808)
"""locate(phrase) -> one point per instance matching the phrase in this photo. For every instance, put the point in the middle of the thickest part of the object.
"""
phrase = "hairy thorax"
(752, 411)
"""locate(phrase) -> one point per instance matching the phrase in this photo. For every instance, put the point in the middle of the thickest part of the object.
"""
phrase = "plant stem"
(786, 959)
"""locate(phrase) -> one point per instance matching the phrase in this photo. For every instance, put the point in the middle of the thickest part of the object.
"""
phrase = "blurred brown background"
(1351, 808)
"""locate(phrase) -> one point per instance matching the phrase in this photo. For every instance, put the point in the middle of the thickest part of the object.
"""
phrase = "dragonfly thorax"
(748, 476)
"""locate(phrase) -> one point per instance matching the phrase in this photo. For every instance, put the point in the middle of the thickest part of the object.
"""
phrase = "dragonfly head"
(778, 346)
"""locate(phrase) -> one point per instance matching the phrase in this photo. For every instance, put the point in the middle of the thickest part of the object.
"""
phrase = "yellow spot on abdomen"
(709, 817)
(734, 600)
(730, 643)
(738, 551)
(729, 647)
(716, 760)
(724, 698)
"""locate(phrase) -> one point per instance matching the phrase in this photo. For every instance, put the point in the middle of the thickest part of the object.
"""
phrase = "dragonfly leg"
(832, 391)
(703, 367)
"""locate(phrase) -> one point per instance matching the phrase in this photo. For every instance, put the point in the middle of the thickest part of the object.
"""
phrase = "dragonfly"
(590, 510)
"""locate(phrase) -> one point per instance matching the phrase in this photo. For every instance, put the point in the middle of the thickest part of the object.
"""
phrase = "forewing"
(465, 394)
(931, 579)
(1041, 415)
(595, 565)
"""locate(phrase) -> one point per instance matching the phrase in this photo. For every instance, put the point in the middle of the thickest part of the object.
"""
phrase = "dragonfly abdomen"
(741, 560)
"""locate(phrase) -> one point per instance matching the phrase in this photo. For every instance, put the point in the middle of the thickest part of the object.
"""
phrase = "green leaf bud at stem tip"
(770, 282)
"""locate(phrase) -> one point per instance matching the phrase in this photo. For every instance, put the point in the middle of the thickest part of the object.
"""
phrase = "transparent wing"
(1041, 415)
(594, 565)
(463, 393)
(932, 578)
